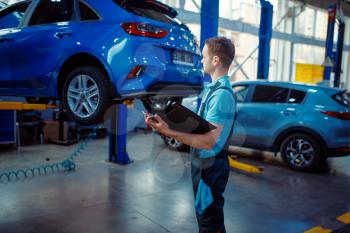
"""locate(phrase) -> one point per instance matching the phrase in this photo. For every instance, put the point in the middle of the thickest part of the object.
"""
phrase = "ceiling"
(325, 3)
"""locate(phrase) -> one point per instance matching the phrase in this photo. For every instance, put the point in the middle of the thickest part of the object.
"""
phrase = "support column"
(329, 42)
(117, 135)
(209, 23)
(339, 53)
(265, 34)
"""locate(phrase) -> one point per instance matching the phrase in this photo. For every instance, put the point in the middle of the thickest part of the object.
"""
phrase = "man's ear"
(216, 60)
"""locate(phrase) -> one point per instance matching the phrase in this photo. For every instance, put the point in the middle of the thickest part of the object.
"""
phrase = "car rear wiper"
(152, 5)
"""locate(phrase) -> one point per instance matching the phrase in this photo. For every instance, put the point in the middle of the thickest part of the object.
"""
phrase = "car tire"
(37, 100)
(174, 144)
(86, 95)
(302, 152)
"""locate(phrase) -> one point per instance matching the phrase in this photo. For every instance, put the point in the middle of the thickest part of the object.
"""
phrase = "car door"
(264, 114)
(34, 52)
(239, 133)
(10, 20)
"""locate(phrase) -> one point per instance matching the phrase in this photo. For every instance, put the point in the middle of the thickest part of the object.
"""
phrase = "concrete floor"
(154, 194)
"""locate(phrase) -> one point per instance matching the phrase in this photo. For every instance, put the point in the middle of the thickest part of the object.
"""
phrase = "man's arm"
(199, 141)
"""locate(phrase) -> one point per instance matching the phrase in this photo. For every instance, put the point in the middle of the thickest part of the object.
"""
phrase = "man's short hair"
(223, 48)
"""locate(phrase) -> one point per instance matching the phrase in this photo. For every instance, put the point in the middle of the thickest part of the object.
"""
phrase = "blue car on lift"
(90, 54)
(306, 124)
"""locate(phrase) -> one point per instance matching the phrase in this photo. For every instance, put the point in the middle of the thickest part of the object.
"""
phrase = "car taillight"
(136, 72)
(143, 29)
(339, 115)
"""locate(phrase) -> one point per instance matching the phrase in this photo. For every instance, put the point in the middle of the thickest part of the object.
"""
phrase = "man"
(209, 166)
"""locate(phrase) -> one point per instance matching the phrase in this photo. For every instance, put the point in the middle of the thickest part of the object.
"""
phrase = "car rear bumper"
(167, 89)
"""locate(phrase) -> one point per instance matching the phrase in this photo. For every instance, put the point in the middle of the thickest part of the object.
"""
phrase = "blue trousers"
(214, 172)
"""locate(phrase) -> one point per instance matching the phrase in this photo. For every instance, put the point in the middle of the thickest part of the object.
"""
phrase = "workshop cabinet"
(7, 127)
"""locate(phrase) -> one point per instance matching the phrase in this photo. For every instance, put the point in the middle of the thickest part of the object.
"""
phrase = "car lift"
(233, 162)
(117, 152)
(117, 132)
(24, 106)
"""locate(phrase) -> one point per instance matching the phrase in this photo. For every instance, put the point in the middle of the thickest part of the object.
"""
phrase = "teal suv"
(306, 124)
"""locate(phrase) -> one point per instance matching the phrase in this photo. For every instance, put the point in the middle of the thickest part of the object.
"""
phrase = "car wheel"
(174, 144)
(301, 152)
(86, 95)
(37, 100)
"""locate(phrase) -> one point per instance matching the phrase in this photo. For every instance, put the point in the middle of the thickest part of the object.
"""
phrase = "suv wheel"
(301, 152)
(86, 95)
(174, 144)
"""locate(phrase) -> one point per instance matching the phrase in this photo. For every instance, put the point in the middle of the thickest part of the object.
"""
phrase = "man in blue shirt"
(209, 166)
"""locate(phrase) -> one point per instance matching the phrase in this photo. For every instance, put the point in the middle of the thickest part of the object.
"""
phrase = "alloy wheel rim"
(83, 96)
(300, 152)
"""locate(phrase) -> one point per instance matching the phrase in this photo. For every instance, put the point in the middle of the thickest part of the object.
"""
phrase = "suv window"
(270, 94)
(241, 93)
(151, 9)
(296, 96)
(86, 13)
(52, 11)
(343, 98)
(12, 16)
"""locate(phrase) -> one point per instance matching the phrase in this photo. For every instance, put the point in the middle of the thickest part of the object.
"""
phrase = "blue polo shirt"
(220, 109)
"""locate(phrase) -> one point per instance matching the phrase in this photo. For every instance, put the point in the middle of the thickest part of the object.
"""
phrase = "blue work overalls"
(214, 171)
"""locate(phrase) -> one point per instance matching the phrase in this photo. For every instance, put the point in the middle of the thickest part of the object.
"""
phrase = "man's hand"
(157, 123)
(200, 141)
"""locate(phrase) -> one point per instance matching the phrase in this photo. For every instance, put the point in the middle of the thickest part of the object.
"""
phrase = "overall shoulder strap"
(202, 108)
(210, 92)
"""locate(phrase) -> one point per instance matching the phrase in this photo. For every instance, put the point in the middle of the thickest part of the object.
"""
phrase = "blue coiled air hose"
(68, 164)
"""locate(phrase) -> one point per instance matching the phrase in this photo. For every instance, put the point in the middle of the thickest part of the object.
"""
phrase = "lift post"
(265, 35)
(209, 23)
(329, 56)
(333, 59)
(339, 53)
(117, 136)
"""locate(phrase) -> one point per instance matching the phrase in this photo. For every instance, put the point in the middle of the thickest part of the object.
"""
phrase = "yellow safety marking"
(244, 167)
(345, 218)
(318, 229)
(24, 106)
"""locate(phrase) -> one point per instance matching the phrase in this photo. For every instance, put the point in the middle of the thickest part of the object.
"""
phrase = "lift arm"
(24, 106)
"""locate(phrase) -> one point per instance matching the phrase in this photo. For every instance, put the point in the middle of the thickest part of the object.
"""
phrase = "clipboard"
(182, 119)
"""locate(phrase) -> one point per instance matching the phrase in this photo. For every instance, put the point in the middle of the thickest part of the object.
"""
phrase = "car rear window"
(296, 96)
(270, 94)
(342, 98)
(52, 12)
(151, 9)
(86, 13)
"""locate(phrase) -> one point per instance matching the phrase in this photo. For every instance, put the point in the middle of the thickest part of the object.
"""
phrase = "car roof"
(299, 86)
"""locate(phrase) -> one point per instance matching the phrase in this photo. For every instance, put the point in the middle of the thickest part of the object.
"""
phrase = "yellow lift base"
(244, 167)
(24, 106)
